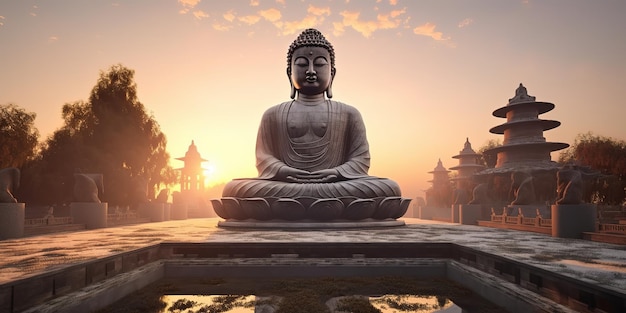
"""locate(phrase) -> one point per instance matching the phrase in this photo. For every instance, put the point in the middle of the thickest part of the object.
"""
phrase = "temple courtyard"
(595, 264)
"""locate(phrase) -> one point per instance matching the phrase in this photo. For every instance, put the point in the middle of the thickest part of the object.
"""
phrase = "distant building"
(192, 173)
(468, 165)
(440, 194)
(524, 146)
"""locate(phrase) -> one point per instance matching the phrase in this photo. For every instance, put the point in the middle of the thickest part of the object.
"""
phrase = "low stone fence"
(538, 221)
(35, 222)
(123, 216)
(48, 221)
(520, 219)
(612, 228)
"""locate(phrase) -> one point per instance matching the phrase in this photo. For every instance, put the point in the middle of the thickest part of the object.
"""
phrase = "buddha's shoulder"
(277, 107)
(345, 107)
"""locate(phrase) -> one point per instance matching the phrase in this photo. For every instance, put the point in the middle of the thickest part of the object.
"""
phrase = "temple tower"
(192, 176)
(440, 194)
(524, 147)
(468, 164)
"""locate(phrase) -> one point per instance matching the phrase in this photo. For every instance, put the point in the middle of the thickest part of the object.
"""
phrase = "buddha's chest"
(307, 123)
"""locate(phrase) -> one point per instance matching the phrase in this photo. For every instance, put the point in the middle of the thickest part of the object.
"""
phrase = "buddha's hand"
(325, 176)
(290, 174)
(301, 176)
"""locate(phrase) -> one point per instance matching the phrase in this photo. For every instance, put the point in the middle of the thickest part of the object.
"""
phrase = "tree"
(489, 159)
(131, 139)
(110, 134)
(603, 154)
(18, 136)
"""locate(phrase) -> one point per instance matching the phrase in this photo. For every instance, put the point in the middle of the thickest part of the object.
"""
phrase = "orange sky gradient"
(424, 74)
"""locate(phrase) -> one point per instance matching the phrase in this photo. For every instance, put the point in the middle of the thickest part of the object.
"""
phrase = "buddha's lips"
(311, 79)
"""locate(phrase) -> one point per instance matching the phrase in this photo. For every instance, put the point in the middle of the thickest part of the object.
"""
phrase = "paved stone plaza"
(596, 263)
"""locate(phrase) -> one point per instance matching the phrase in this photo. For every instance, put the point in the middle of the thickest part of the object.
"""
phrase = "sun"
(210, 175)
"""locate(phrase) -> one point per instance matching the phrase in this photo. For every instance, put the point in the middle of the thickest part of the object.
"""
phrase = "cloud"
(1, 18)
(271, 15)
(254, 3)
(250, 19)
(188, 5)
(221, 27)
(318, 11)
(309, 21)
(315, 16)
(53, 39)
(396, 13)
(229, 16)
(281, 2)
(428, 30)
(465, 22)
(393, 2)
(366, 28)
(200, 14)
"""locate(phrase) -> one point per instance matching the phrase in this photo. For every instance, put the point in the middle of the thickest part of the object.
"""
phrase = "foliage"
(356, 304)
(110, 134)
(603, 154)
(18, 136)
(489, 159)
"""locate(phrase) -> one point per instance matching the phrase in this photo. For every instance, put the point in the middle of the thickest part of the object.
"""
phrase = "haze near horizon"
(424, 75)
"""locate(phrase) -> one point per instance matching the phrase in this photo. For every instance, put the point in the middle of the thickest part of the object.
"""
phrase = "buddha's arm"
(357, 157)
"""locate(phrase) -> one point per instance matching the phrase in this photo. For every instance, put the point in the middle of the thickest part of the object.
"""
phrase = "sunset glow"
(424, 74)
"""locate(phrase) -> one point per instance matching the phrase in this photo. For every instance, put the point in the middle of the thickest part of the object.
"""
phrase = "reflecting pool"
(388, 294)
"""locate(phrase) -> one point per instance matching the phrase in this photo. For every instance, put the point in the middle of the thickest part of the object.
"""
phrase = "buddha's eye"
(301, 62)
(321, 61)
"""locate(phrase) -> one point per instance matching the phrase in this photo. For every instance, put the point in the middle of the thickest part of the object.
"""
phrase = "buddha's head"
(311, 64)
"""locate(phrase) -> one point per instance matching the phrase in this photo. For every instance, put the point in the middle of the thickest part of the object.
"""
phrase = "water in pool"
(388, 294)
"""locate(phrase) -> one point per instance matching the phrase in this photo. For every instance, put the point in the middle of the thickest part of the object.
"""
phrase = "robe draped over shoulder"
(343, 147)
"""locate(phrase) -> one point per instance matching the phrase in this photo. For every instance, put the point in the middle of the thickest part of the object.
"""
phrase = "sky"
(425, 75)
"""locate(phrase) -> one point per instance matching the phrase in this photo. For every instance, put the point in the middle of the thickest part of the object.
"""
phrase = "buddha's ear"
(292, 95)
(329, 90)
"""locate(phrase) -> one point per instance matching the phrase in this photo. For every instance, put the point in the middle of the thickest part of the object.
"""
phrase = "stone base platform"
(39, 270)
(309, 224)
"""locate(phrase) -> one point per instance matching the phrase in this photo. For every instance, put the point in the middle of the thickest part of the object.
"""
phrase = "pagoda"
(192, 176)
(468, 163)
(468, 166)
(524, 148)
(441, 191)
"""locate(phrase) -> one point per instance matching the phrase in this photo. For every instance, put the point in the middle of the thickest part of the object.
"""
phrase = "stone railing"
(612, 228)
(123, 216)
(34, 222)
(520, 219)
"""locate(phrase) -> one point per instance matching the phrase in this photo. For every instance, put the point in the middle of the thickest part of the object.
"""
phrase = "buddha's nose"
(311, 71)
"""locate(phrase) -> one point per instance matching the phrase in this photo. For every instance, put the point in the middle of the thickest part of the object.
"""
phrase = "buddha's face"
(311, 72)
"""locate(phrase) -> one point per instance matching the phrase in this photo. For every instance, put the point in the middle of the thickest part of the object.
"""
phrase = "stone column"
(426, 212)
(154, 211)
(11, 220)
(470, 214)
(167, 211)
(91, 214)
(571, 220)
(454, 213)
(178, 211)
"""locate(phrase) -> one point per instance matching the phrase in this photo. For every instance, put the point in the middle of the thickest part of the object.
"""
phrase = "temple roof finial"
(521, 95)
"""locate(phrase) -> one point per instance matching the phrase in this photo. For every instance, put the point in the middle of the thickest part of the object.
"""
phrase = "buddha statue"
(312, 152)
